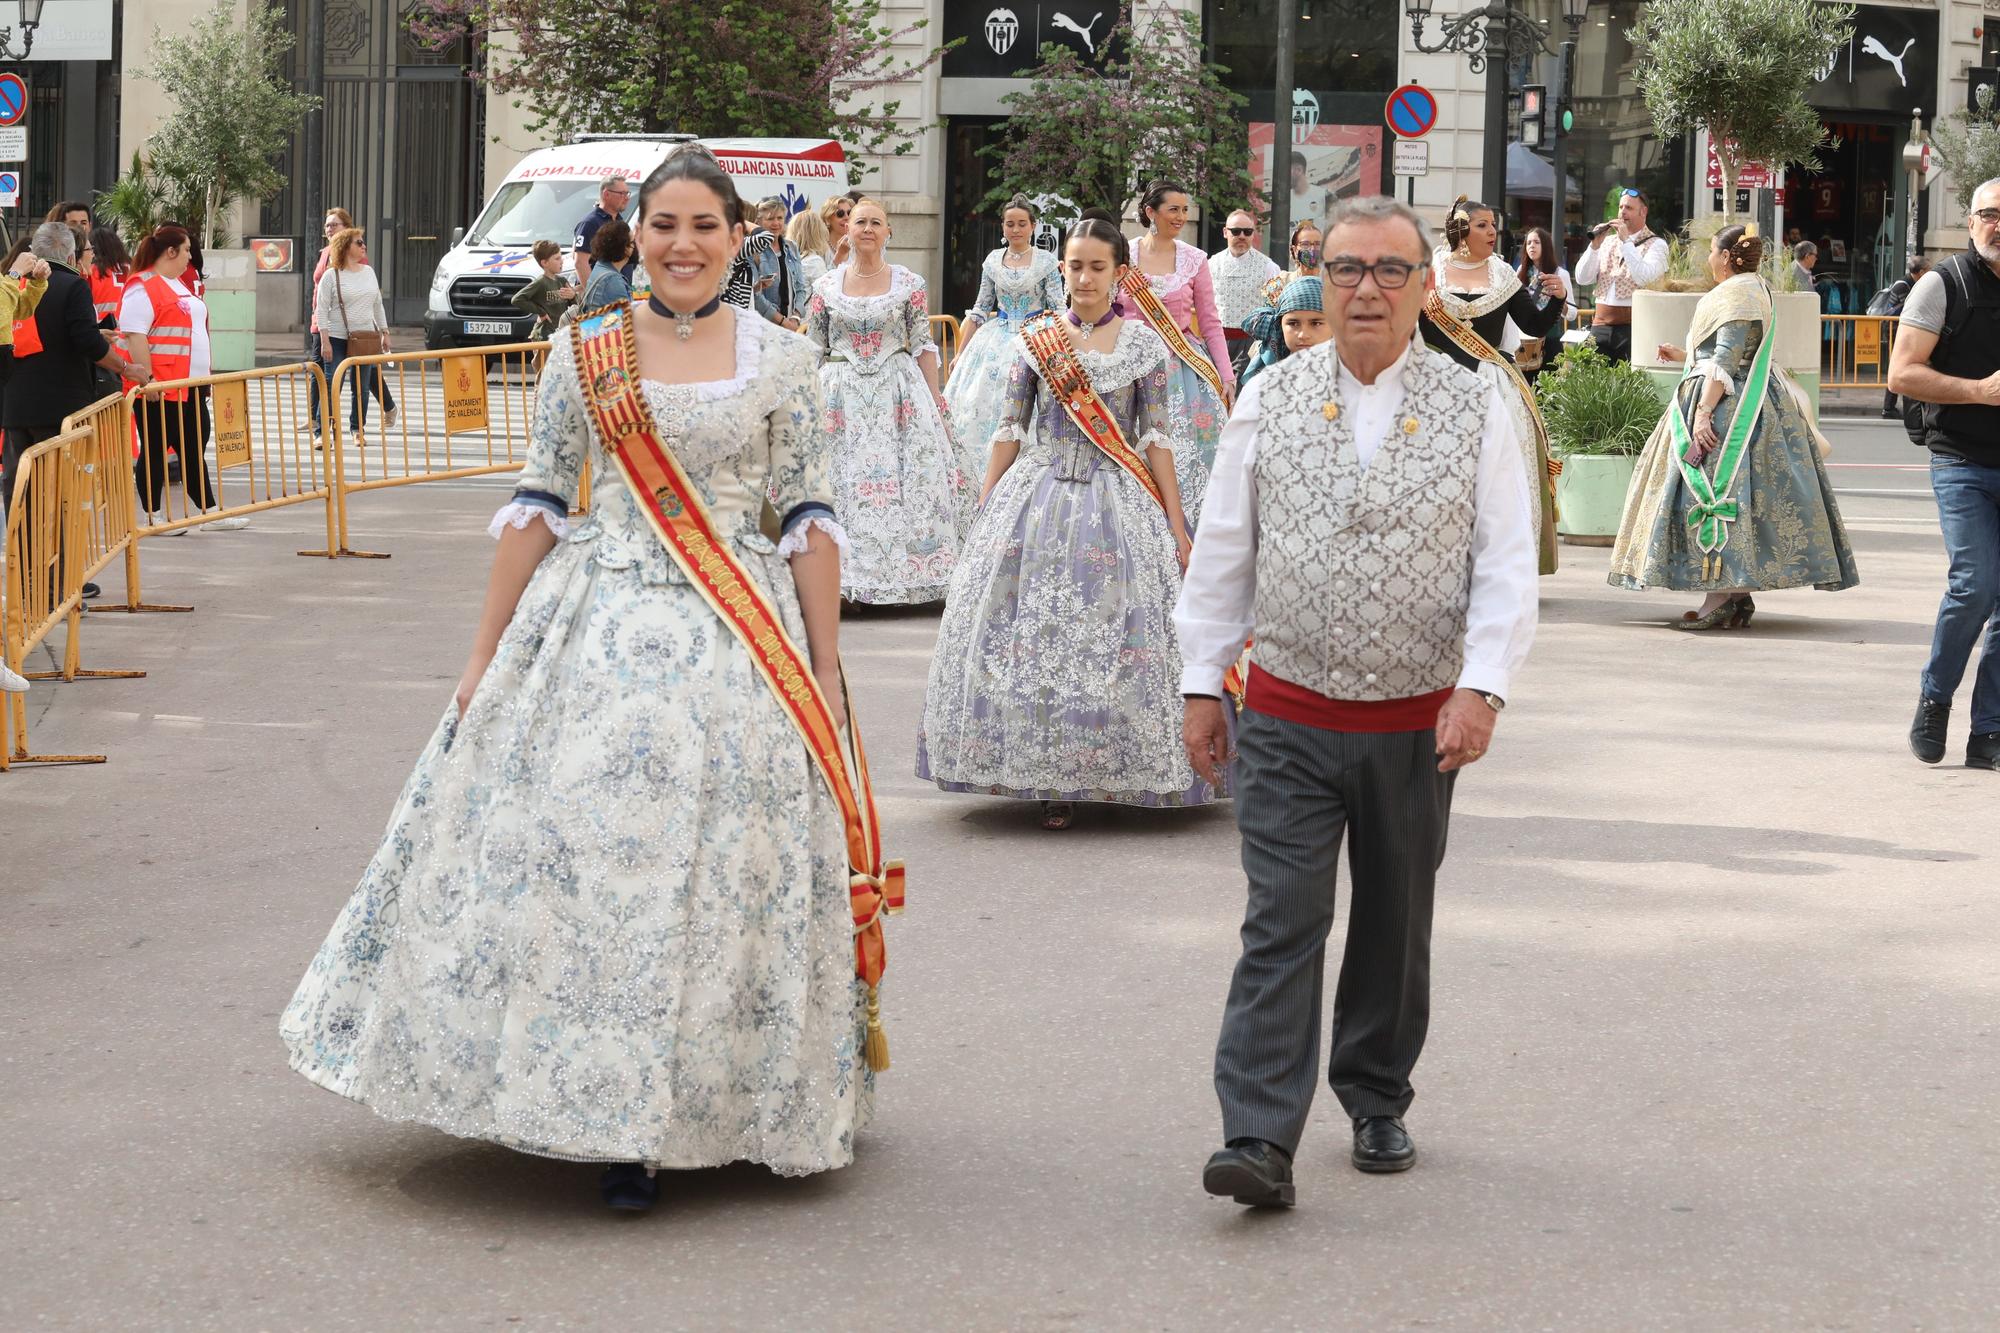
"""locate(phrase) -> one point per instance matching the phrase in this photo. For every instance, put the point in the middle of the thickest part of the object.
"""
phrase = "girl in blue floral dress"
(1016, 281)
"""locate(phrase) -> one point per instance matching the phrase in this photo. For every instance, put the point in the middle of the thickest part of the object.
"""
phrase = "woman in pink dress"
(1202, 384)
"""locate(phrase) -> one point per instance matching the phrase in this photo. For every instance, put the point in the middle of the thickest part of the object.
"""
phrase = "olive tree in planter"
(234, 114)
(1741, 70)
(1599, 414)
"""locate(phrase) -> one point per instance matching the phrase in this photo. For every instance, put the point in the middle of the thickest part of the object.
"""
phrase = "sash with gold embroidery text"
(1055, 357)
(607, 366)
(1141, 294)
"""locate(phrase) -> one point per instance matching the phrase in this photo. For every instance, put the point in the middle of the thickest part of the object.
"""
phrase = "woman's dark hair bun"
(1746, 252)
(1098, 214)
(1021, 202)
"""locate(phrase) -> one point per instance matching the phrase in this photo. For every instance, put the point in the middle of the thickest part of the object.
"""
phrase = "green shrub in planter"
(1593, 405)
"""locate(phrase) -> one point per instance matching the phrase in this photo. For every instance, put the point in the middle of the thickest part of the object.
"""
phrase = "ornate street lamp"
(31, 18)
(1488, 37)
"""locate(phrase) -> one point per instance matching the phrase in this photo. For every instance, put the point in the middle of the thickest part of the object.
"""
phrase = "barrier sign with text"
(1413, 157)
(13, 143)
(229, 408)
(464, 393)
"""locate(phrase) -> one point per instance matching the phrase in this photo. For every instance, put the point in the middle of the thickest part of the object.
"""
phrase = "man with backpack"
(1946, 366)
(1889, 304)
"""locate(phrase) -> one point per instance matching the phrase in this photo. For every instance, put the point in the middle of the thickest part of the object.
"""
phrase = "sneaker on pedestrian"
(155, 520)
(91, 592)
(234, 524)
(1982, 750)
(388, 418)
(1927, 730)
(11, 682)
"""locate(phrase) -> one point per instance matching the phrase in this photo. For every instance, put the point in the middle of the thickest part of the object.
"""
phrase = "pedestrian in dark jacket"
(1890, 301)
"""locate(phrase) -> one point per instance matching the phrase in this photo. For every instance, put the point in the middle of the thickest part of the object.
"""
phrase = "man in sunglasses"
(1368, 525)
(1946, 366)
(1623, 257)
(1239, 274)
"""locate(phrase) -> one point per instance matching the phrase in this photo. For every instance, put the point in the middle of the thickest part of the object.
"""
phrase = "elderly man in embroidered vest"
(1369, 527)
(1623, 257)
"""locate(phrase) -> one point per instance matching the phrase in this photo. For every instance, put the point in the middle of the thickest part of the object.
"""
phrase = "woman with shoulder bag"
(351, 319)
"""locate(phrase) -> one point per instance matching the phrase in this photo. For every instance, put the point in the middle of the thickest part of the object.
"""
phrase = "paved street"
(1715, 1035)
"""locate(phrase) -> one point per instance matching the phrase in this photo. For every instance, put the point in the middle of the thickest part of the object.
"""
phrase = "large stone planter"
(1665, 317)
(1590, 497)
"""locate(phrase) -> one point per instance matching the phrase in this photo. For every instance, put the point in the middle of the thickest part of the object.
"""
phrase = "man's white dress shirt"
(1644, 263)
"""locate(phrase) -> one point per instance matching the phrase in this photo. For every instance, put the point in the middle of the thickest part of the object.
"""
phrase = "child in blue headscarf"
(1302, 317)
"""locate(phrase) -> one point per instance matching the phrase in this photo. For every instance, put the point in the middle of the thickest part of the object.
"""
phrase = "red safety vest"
(170, 340)
(27, 338)
(105, 291)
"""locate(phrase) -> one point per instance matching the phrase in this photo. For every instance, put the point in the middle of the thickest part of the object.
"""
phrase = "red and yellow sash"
(1140, 292)
(607, 363)
(1055, 357)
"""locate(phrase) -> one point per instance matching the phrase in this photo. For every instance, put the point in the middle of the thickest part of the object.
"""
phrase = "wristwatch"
(1493, 701)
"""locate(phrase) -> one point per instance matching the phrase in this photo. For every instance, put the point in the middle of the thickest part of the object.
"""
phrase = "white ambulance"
(551, 190)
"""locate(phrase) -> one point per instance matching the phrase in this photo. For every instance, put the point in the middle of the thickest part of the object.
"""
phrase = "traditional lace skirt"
(976, 395)
(1056, 674)
(609, 920)
(899, 484)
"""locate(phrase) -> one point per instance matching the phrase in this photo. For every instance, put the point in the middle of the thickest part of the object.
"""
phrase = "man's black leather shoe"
(1983, 751)
(1928, 728)
(1381, 1144)
(1254, 1173)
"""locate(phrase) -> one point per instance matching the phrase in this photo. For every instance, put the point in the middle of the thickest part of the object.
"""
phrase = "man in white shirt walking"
(1239, 274)
(1623, 257)
(1369, 524)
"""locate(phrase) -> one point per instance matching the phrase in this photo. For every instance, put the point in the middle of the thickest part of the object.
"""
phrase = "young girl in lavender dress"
(897, 480)
(1178, 275)
(1015, 282)
(1056, 675)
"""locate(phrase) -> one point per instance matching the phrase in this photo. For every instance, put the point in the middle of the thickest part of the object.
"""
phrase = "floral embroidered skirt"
(976, 394)
(1196, 416)
(1057, 673)
(609, 920)
(899, 484)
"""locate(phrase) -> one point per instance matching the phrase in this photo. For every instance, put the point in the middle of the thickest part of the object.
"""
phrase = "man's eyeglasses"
(1986, 216)
(1241, 231)
(1390, 274)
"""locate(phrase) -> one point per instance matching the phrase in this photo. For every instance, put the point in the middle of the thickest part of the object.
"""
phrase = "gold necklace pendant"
(1329, 409)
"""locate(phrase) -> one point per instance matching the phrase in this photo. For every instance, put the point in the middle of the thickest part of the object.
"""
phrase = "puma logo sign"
(1874, 47)
(1064, 21)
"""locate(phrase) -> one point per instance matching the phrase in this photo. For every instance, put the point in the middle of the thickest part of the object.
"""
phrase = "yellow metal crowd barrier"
(55, 541)
(1854, 351)
(945, 333)
(459, 413)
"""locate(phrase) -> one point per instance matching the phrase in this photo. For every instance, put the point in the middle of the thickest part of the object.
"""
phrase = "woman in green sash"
(1731, 497)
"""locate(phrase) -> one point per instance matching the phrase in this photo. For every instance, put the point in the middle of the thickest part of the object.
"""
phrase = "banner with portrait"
(1323, 163)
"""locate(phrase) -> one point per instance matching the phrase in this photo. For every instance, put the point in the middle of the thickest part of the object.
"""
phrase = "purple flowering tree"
(805, 68)
(1095, 129)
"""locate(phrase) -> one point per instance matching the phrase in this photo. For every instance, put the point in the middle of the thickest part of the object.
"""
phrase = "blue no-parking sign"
(1411, 111)
(13, 99)
(10, 188)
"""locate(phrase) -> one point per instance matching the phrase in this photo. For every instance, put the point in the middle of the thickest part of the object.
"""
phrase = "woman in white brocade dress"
(1016, 281)
(897, 480)
(610, 918)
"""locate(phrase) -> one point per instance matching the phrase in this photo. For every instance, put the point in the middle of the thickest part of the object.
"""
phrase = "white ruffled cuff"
(1716, 375)
(520, 515)
(1007, 432)
(794, 542)
(1155, 439)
